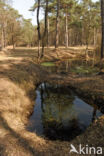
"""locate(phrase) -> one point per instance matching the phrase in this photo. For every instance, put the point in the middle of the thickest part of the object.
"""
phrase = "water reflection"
(66, 66)
(60, 114)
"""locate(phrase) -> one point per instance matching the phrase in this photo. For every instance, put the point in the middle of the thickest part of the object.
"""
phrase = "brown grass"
(19, 76)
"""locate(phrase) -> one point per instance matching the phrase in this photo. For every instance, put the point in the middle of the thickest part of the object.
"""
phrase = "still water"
(60, 114)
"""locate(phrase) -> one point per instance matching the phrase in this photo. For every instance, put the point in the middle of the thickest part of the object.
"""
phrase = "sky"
(23, 7)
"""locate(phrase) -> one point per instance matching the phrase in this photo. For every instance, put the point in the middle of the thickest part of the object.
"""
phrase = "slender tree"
(38, 28)
(45, 29)
(48, 32)
(66, 27)
(57, 24)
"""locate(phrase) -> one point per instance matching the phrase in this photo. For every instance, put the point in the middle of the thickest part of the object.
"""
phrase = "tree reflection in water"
(60, 114)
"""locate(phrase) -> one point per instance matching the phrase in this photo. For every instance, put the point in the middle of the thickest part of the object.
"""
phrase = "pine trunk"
(38, 28)
(2, 39)
(95, 36)
(57, 24)
(66, 29)
(48, 33)
(45, 29)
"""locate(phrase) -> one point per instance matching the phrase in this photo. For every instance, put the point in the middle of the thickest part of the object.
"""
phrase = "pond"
(73, 66)
(59, 114)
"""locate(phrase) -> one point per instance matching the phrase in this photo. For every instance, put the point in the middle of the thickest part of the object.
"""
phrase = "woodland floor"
(20, 73)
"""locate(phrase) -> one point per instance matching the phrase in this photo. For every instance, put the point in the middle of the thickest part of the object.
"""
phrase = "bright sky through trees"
(23, 7)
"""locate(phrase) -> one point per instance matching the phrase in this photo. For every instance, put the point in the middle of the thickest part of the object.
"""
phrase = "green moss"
(84, 70)
(48, 64)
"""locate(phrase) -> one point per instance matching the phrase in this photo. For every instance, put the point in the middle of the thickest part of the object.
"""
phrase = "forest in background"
(66, 23)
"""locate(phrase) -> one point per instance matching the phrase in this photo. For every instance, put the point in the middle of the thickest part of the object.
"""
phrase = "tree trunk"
(3, 35)
(102, 18)
(48, 33)
(2, 39)
(95, 36)
(66, 29)
(57, 24)
(39, 49)
(4, 32)
(45, 29)
(82, 36)
(38, 28)
(13, 43)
